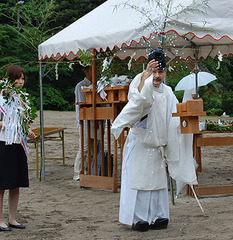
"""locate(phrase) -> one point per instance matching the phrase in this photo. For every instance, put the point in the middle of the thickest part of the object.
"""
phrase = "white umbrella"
(189, 82)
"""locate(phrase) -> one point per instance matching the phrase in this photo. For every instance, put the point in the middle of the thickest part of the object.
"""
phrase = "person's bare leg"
(2, 223)
(13, 205)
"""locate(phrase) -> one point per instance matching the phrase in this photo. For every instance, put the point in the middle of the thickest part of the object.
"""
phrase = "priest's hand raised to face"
(151, 66)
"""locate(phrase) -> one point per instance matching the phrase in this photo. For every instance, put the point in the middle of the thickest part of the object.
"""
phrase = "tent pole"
(42, 170)
(196, 70)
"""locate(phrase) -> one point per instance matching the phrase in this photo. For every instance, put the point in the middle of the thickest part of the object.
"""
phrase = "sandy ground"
(57, 208)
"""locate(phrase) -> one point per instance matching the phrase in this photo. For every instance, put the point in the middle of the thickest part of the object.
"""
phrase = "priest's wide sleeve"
(133, 111)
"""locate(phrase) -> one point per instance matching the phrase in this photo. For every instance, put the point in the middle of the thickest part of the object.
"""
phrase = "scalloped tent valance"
(133, 27)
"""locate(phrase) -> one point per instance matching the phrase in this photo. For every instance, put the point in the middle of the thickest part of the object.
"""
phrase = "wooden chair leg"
(63, 148)
(37, 159)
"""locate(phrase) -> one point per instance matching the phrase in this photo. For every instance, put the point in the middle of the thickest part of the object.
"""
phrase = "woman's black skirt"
(13, 166)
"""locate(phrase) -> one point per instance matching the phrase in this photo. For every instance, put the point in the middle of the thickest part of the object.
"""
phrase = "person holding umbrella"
(190, 94)
(189, 83)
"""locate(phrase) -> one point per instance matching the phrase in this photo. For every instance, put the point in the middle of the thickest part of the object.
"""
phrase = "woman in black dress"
(13, 160)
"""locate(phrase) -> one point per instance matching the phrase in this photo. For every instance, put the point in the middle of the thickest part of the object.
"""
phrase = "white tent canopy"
(117, 25)
(133, 27)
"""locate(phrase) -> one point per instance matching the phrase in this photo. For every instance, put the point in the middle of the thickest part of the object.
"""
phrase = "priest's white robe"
(147, 148)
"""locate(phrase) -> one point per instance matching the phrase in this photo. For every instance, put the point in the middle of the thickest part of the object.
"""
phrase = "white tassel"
(170, 68)
(56, 71)
(218, 67)
(130, 61)
(71, 66)
(106, 63)
(220, 56)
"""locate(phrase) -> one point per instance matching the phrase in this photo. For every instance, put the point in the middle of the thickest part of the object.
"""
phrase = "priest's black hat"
(159, 55)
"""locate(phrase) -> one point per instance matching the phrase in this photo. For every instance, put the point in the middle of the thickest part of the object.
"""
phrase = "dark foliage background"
(40, 19)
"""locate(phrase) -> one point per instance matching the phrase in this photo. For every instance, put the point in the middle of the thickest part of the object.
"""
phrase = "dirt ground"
(57, 208)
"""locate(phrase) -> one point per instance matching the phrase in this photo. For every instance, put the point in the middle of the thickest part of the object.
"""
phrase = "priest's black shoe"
(19, 226)
(160, 223)
(141, 226)
(5, 229)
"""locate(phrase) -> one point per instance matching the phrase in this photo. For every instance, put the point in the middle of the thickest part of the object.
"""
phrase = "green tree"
(39, 21)
(71, 10)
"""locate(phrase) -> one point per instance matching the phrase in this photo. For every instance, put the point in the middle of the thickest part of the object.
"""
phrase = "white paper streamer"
(12, 121)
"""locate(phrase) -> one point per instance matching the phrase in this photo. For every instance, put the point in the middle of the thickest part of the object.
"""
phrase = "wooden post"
(89, 147)
(102, 147)
(115, 175)
(94, 107)
(109, 148)
(82, 146)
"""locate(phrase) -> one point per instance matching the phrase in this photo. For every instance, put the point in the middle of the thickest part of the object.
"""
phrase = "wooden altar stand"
(99, 112)
(189, 121)
(204, 139)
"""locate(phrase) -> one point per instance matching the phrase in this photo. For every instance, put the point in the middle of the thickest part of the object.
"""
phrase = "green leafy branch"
(85, 58)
